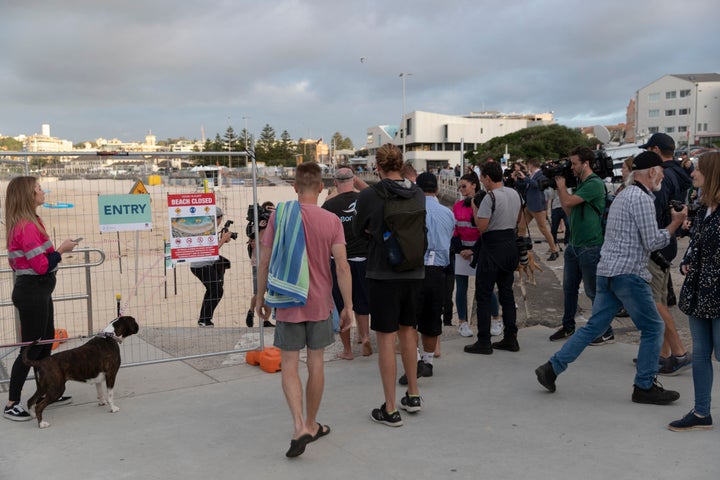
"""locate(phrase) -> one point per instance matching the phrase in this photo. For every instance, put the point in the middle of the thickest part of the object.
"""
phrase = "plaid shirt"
(631, 234)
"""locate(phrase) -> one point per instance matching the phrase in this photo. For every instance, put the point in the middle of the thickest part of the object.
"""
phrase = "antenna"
(601, 133)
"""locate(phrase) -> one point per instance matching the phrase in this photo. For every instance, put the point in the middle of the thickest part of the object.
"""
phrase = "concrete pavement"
(483, 417)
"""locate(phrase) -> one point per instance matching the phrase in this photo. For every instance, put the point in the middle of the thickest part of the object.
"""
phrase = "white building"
(434, 140)
(43, 142)
(686, 107)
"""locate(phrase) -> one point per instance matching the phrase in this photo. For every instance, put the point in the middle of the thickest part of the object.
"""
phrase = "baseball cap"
(427, 182)
(343, 174)
(661, 140)
(647, 160)
(218, 212)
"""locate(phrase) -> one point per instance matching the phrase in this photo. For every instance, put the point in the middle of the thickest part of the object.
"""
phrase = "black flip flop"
(297, 447)
(322, 431)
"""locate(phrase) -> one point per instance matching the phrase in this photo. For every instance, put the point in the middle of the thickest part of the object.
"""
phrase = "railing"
(87, 295)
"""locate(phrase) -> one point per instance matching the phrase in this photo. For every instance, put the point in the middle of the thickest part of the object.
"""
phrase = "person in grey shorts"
(305, 320)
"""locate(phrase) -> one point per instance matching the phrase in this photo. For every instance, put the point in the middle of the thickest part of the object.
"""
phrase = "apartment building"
(434, 140)
(685, 106)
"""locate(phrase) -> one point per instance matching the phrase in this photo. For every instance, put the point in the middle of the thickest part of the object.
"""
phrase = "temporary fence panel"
(136, 278)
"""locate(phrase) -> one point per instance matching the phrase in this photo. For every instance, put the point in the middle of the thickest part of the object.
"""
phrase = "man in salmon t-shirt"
(304, 316)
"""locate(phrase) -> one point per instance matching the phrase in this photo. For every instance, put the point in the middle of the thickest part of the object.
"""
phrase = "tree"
(286, 149)
(265, 144)
(547, 142)
(10, 144)
(230, 140)
(341, 143)
(245, 139)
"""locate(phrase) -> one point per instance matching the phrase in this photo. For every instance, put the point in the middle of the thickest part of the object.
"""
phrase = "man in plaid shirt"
(623, 279)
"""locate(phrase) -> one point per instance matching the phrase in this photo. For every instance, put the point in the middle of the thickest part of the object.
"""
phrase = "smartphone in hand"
(78, 240)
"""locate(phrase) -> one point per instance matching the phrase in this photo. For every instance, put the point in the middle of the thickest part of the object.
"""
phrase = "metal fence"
(133, 277)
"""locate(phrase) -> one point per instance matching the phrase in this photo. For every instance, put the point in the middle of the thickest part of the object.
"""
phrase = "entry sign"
(124, 213)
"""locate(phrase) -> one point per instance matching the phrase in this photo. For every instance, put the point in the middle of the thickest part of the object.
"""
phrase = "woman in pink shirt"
(34, 261)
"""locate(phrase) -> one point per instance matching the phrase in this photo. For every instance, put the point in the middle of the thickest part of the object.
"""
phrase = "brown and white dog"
(528, 268)
(96, 361)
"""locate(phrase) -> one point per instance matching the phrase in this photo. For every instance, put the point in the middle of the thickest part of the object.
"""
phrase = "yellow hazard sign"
(139, 188)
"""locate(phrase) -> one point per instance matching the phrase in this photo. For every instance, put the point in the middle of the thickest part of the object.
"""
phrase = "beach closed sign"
(124, 213)
(193, 227)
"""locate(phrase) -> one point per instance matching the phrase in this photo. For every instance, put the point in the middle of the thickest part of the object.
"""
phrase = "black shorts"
(361, 306)
(430, 302)
(393, 303)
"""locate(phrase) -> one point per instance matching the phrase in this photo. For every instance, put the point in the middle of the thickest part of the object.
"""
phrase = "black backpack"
(404, 221)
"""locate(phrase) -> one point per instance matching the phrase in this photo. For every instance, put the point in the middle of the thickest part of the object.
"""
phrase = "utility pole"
(403, 75)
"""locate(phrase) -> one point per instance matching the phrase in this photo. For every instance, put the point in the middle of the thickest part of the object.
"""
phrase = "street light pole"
(245, 119)
(403, 75)
(229, 145)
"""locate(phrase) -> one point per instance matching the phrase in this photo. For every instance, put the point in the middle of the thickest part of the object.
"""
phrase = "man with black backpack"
(585, 207)
(391, 215)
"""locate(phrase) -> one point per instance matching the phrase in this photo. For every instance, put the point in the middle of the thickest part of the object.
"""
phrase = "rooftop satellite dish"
(601, 133)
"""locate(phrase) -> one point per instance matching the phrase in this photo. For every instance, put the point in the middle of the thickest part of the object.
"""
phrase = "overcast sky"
(114, 68)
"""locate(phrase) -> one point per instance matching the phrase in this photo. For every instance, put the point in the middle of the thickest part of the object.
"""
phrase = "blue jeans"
(613, 292)
(557, 214)
(461, 288)
(706, 338)
(580, 264)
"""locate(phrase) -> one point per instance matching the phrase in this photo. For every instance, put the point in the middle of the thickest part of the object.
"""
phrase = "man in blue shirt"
(440, 223)
(623, 279)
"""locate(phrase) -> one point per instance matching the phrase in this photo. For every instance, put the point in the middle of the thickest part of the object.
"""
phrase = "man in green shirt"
(585, 207)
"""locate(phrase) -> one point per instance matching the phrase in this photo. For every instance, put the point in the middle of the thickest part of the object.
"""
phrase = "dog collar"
(106, 334)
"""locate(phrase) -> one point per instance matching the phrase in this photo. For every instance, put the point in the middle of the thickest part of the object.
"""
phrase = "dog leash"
(106, 332)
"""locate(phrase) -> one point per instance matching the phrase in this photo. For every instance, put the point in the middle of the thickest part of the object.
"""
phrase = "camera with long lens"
(561, 168)
(523, 245)
(226, 228)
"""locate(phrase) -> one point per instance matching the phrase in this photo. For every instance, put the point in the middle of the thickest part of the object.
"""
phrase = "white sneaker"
(464, 330)
(496, 327)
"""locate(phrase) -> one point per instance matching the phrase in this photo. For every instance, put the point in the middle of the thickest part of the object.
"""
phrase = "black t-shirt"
(343, 205)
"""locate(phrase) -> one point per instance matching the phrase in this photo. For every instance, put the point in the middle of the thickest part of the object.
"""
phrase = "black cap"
(647, 160)
(427, 182)
(661, 140)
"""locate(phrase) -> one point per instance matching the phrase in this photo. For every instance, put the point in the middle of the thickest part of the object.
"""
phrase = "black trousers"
(32, 296)
(485, 281)
(449, 288)
(213, 278)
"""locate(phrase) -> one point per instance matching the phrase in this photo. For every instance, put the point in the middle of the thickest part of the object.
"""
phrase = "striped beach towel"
(288, 273)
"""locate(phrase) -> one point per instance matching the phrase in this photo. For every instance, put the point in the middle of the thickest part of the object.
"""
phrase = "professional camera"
(692, 208)
(508, 179)
(561, 168)
(263, 217)
(226, 228)
(602, 166)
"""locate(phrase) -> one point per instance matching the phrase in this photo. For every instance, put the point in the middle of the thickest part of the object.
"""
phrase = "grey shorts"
(296, 336)
(659, 282)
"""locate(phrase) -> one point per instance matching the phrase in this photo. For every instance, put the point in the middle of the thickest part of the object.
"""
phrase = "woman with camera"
(212, 275)
(700, 293)
(464, 238)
